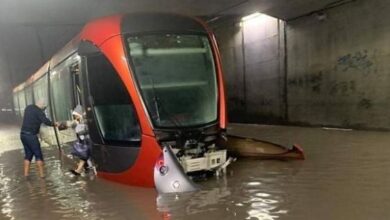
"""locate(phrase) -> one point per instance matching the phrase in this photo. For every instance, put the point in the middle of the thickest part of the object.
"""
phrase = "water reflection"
(7, 206)
(178, 206)
(265, 208)
(221, 199)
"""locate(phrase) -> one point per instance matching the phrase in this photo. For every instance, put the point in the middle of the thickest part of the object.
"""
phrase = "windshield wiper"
(158, 104)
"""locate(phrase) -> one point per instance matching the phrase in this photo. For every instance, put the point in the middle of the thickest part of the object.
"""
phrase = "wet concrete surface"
(346, 176)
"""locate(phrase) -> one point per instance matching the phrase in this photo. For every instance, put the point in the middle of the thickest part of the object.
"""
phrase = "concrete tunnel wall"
(337, 70)
(253, 61)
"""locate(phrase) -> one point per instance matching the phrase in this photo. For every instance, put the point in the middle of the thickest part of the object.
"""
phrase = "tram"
(147, 82)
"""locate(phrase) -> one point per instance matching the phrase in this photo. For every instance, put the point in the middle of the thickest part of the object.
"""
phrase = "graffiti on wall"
(364, 103)
(361, 61)
(342, 87)
(334, 81)
(342, 90)
(308, 81)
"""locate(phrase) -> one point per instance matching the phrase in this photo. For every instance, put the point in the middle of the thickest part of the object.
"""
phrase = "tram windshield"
(176, 76)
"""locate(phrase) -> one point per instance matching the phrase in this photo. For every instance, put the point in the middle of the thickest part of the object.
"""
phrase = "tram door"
(112, 122)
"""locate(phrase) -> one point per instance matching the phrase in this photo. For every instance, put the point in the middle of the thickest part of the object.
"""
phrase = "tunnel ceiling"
(79, 11)
(31, 31)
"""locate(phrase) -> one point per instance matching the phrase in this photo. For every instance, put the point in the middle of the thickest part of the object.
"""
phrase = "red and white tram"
(146, 81)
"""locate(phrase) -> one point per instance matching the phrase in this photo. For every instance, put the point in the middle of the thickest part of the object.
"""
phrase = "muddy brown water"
(346, 176)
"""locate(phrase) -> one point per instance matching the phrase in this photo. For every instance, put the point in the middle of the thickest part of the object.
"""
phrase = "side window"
(29, 95)
(113, 108)
(16, 103)
(61, 90)
(22, 102)
(40, 88)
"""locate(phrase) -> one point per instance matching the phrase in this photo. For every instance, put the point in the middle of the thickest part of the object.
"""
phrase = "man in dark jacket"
(33, 118)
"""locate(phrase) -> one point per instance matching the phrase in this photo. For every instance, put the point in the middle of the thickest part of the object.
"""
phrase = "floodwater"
(346, 176)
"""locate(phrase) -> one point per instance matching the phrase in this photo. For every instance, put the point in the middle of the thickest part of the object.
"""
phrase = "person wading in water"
(34, 116)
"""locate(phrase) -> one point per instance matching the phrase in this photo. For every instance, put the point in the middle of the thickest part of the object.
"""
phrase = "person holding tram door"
(34, 116)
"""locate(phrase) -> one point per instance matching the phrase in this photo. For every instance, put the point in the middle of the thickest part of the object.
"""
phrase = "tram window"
(60, 83)
(22, 102)
(113, 108)
(16, 104)
(41, 91)
(29, 95)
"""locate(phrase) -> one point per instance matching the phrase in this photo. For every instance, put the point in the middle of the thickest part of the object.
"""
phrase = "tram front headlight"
(163, 170)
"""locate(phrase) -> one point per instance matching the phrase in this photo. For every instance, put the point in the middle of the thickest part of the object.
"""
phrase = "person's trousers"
(31, 145)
